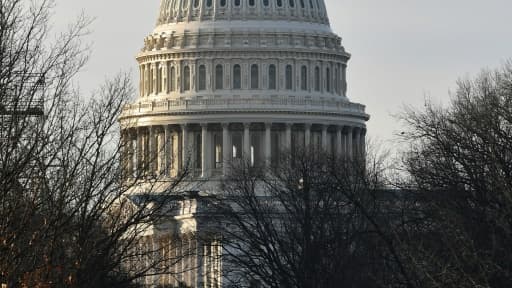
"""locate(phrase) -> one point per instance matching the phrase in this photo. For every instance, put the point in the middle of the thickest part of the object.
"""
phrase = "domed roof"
(177, 11)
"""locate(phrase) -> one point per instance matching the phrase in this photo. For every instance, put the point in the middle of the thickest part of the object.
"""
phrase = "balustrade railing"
(308, 105)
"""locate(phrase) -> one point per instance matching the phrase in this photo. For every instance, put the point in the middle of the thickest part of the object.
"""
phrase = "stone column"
(288, 137)
(344, 141)
(350, 144)
(133, 153)
(141, 81)
(124, 152)
(201, 9)
(167, 152)
(268, 144)
(189, 11)
(247, 141)
(146, 79)
(344, 79)
(140, 151)
(324, 138)
(185, 157)
(154, 246)
(363, 143)
(165, 77)
(152, 155)
(226, 149)
(307, 136)
(154, 82)
(199, 263)
(339, 139)
(357, 142)
(204, 150)
(161, 152)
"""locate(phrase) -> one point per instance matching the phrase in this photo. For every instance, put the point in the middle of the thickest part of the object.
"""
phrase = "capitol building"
(226, 80)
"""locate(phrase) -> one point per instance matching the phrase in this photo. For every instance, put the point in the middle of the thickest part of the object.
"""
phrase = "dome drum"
(242, 78)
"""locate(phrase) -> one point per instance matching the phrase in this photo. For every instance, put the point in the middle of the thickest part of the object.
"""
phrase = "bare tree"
(314, 221)
(68, 218)
(460, 172)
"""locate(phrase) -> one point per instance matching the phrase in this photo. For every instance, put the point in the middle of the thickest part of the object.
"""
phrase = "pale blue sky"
(402, 50)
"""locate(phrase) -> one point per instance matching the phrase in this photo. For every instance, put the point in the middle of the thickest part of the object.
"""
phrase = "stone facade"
(230, 79)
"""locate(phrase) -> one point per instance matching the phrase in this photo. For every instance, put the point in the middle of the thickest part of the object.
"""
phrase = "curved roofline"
(177, 11)
(249, 25)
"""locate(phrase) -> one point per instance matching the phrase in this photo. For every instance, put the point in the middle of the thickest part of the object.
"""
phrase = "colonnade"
(187, 259)
(177, 77)
(206, 149)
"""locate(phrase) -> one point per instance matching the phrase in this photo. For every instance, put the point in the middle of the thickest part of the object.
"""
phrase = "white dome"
(267, 33)
(224, 81)
(232, 71)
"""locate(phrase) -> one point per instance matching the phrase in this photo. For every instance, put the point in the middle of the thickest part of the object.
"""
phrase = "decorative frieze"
(233, 39)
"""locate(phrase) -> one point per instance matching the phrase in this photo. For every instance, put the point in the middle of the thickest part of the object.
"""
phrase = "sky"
(403, 51)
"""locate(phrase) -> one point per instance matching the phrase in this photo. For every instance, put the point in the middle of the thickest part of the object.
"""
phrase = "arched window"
(172, 79)
(302, 4)
(289, 77)
(279, 3)
(255, 77)
(272, 77)
(251, 3)
(196, 3)
(208, 3)
(311, 4)
(265, 3)
(202, 78)
(317, 79)
(292, 3)
(304, 78)
(186, 78)
(219, 77)
(223, 3)
(328, 80)
(237, 3)
(237, 77)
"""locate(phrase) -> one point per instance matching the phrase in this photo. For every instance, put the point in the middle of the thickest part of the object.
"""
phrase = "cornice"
(355, 115)
(243, 40)
(237, 106)
(270, 53)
